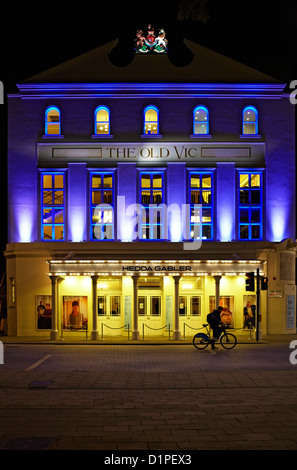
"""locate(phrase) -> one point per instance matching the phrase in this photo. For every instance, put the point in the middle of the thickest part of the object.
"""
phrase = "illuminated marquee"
(151, 43)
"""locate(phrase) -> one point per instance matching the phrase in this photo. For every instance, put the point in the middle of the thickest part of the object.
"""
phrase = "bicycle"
(202, 340)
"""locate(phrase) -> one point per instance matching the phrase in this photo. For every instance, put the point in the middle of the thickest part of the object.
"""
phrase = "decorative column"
(176, 332)
(135, 332)
(54, 332)
(94, 333)
(217, 299)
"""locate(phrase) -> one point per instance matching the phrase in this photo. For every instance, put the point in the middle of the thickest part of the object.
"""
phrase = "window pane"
(47, 198)
(59, 232)
(107, 197)
(107, 232)
(200, 128)
(249, 115)
(244, 232)
(96, 181)
(47, 216)
(206, 181)
(96, 197)
(244, 181)
(255, 197)
(244, 197)
(155, 305)
(195, 216)
(115, 306)
(47, 181)
(145, 232)
(151, 129)
(47, 232)
(206, 197)
(107, 181)
(53, 116)
(255, 216)
(59, 181)
(206, 215)
(102, 128)
(59, 197)
(107, 216)
(255, 232)
(255, 181)
(151, 115)
(157, 197)
(157, 181)
(249, 128)
(195, 306)
(102, 115)
(101, 305)
(206, 232)
(145, 197)
(195, 197)
(53, 129)
(183, 305)
(244, 216)
(141, 305)
(145, 181)
(195, 181)
(59, 216)
(201, 114)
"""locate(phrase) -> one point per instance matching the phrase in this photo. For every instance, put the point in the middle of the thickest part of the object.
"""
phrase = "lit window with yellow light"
(201, 192)
(151, 199)
(102, 206)
(102, 120)
(151, 120)
(250, 205)
(52, 206)
(52, 121)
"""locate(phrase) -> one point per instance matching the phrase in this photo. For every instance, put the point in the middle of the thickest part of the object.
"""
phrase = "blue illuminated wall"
(26, 129)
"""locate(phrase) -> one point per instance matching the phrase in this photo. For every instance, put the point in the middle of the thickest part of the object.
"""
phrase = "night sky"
(260, 34)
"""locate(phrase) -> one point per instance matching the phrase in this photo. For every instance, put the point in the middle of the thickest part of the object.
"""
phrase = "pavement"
(152, 397)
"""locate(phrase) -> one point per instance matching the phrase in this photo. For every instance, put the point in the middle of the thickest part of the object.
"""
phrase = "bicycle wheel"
(228, 341)
(201, 341)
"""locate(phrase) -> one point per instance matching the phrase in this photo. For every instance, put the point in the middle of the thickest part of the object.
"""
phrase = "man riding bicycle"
(214, 320)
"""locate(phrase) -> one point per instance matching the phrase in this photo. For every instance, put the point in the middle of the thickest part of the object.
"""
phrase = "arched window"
(151, 120)
(52, 121)
(201, 120)
(102, 120)
(250, 121)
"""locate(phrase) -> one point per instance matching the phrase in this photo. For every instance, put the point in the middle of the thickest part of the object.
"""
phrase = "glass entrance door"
(150, 313)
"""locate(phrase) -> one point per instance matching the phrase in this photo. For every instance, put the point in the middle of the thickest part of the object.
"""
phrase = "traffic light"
(264, 283)
(250, 282)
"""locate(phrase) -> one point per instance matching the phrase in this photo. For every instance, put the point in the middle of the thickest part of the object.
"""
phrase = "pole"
(258, 312)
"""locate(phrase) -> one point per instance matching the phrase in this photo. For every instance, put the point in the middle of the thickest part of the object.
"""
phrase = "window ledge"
(102, 136)
(53, 136)
(250, 136)
(151, 136)
(201, 136)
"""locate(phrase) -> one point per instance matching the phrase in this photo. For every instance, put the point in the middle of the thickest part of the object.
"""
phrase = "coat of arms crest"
(151, 42)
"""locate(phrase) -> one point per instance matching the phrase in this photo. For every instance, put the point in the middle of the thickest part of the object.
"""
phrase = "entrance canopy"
(93, 267)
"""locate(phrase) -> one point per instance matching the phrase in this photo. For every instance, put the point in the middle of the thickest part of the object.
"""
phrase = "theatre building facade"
(140, 196)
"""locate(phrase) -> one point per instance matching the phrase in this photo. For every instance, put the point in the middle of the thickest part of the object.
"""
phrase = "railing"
(162, 328)
(185, 324)
(113, 328)
(196, 329)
